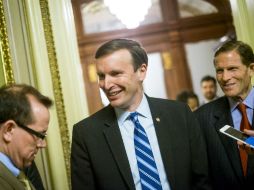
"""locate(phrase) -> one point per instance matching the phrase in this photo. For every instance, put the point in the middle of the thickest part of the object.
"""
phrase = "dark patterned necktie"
(149, 176)
(244, 125)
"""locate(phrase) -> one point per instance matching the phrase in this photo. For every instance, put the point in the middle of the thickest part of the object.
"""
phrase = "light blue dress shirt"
(8, 163)
(127, 132)
(236, 114)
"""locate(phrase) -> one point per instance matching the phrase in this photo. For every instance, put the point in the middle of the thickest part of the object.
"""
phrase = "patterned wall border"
(55, 77)
(4, 48)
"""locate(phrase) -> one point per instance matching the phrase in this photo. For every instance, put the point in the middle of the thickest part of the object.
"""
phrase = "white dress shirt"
(127, 132)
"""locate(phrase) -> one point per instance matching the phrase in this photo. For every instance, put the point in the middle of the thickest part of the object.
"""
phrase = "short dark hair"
(184, 95)
(15, 105)
(208, 78)
(243, 49)
(137, 52)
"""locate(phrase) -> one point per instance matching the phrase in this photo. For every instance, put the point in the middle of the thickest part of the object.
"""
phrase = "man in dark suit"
(107, 151)
(234, 64)
(24, 118)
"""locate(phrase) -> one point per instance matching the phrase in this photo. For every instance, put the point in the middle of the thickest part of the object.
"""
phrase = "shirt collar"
(8, 163)
(143, 110)
(248, 101)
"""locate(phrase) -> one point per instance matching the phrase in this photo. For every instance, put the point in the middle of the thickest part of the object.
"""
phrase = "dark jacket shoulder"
(166, 105)
(215, 106)
(101, 115)
(107, 113)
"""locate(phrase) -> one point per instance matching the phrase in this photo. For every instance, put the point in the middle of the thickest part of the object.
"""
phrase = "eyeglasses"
(33, 132)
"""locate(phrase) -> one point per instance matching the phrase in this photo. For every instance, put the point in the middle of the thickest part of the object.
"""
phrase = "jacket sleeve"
(199, 158)
(81, 172)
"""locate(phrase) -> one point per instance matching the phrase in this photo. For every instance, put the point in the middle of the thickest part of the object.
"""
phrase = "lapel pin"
(158, 119)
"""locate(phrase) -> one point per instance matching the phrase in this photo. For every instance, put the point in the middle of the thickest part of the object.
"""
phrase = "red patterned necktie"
(245, 124)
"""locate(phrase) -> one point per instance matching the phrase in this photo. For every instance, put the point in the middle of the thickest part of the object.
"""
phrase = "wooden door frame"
(167, 36)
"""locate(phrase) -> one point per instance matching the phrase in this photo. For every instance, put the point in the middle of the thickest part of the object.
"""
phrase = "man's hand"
(247, 148)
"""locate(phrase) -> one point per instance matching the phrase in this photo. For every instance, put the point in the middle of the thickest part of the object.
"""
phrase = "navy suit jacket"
(223, 155)
(99, 159)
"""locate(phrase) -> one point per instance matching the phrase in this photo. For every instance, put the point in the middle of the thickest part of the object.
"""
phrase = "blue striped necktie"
(149, 176)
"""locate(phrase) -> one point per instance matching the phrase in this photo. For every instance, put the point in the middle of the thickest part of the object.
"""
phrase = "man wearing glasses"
(24, 119)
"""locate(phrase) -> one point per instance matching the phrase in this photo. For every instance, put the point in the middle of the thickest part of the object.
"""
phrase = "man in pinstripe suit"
(234, 64)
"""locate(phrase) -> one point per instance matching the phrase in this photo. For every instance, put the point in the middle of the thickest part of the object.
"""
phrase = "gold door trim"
(5, 49)
(55, 77)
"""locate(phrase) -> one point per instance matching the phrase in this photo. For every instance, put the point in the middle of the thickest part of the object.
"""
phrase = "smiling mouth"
(229, 85)
(113, 93)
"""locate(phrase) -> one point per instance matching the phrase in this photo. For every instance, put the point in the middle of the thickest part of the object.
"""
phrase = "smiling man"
(230, 166)
(24, 119)
(136, 142)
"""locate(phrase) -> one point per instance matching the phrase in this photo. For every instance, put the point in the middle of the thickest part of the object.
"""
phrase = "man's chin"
(114, 104)
(211, 98)
(231, 95)
(117, 105)
(28, 164)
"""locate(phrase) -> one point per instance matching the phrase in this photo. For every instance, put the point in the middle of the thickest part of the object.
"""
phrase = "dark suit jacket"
(223, 154)
(8, 181)
(99, 159)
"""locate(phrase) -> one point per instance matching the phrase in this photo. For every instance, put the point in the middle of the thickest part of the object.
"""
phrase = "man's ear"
(251, 66)
(142, 71)
(8, 128)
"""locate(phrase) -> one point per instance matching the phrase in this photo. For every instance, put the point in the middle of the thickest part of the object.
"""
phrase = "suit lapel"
(9, 178)
(164, 133)
(223, 117)
(115, 142)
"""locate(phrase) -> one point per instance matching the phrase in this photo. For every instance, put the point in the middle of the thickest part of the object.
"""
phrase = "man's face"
(192, 103)
(233, 76)
(122, 86)
(24, 145)
(208, 89)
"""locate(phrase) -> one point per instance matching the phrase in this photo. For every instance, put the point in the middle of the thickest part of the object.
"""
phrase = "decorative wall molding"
(55, 77)
(4, 48)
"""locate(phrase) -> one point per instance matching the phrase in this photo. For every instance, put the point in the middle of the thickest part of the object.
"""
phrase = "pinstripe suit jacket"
(99, 160)
(223, 155)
